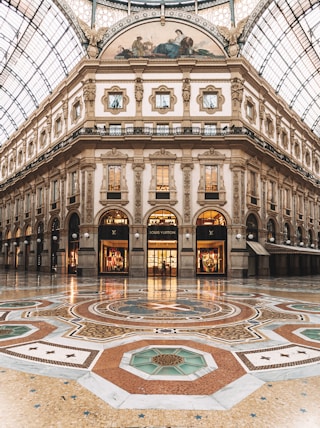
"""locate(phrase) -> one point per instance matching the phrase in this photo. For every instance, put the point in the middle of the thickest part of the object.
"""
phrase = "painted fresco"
(174, 40)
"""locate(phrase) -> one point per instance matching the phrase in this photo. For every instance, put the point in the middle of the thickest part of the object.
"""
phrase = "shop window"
(113, 238)
(211, 239)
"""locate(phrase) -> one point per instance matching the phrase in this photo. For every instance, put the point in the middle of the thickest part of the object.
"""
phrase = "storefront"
(211, 243)
(162, 235)
(113, 243)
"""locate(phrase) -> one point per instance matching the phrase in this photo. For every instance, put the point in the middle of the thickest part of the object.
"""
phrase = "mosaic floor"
(158, 353)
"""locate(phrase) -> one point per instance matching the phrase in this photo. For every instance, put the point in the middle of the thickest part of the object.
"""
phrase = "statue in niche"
(94, 37)
(232, 35)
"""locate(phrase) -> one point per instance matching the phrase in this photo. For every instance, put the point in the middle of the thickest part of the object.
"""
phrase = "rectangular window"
(250, 110)
(17, 207)
(211, 178)
(114, 178)
(8, 211)
(163, 100)
(210, 129)
(162, 184)
(58, 126)
(27, 203)
(115, 100)
(73, 183)
(253, 184)
(163, 129)
(210, 100)
(40, 197)
(55, 191)
(76, 110)
(115, 129)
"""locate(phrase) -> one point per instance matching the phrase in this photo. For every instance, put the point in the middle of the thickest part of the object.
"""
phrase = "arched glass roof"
(283, 45)
(38, 48)
(40, 45)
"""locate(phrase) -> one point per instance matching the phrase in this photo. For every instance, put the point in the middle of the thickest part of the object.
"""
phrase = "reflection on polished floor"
(132, 353)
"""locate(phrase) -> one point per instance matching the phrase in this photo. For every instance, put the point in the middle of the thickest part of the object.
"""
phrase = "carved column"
(88, 251)
(238, 264)
(187, 255)
(138, 231)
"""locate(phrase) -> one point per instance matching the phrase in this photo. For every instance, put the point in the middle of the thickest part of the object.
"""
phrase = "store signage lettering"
(163, 233)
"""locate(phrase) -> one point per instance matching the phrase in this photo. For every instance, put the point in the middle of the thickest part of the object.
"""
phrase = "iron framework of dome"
(40, 43)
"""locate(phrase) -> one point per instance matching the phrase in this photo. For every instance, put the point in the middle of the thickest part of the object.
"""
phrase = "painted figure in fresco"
(172, 49)
(138, 48)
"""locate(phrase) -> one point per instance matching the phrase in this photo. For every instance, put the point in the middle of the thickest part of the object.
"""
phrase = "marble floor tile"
(168, 353)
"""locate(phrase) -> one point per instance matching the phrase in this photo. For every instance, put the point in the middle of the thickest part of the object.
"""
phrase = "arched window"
(252, 227)
(271, 230)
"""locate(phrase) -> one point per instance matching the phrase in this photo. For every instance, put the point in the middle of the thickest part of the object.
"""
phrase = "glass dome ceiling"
(40, 45)
(283, 45)
(38, 48)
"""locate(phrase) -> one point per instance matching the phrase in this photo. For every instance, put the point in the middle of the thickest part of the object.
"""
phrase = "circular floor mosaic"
(176, 311)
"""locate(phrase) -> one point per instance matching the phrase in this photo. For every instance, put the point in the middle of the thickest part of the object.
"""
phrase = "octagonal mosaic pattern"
(168, 362)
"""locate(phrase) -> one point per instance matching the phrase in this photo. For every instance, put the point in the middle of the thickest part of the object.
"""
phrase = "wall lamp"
(238, 236)
(6, 244)
(38, 240)
(15, 243)
(26, 242)
(74, 236)
(288, 242)
(301, 244)
(86, 235)
(137, 235)
(312, 245)
(187, 235)
(271, 239)
(54, 238)
(250, 236)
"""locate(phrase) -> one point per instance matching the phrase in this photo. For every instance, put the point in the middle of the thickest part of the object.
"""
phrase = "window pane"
(211, 178)
(114, 175)
(163, 178)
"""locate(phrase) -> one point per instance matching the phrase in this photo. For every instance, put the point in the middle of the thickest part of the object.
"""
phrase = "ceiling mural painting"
(151, 41)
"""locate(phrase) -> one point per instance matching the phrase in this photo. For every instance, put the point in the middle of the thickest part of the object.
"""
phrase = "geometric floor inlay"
(161, 345)
(51, 353)
(279, 357)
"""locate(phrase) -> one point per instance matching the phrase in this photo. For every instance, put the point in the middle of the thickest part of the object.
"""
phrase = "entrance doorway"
(162, 262)
(162, 244)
